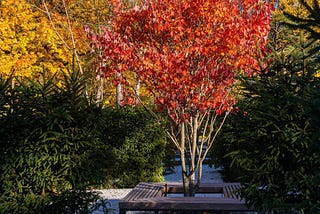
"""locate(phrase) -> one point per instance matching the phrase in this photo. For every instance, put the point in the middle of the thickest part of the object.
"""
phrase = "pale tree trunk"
(100, 77)
(137, 92)
(12, 83)
(194, 144)
(185, 176)
(188, 161)
(192, 151)
(119, 95)
(99, 96)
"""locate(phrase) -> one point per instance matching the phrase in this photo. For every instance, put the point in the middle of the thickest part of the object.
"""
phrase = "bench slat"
(185, 203)
(148, 196)
(144, 190)
(230, 191)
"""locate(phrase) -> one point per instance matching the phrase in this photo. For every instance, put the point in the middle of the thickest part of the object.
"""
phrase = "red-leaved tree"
(186, 53)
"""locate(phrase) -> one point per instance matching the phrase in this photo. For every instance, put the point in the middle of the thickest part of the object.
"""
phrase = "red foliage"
(186, 52)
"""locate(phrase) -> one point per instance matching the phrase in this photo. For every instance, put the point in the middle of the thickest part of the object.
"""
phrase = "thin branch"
(74, 49)
(174, 140)
(215, 135)
(53, 25)
(170, 134)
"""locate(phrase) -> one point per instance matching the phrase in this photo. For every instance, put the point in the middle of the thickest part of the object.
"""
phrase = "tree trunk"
(119, 92)
(193, 154)
(183, 160)
(99, 96)
(137, 92)
(188, 173)
(191, 163)
(119, 95)
(189, 185)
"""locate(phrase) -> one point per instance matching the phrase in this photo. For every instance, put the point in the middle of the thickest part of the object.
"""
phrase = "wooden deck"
(151, 197)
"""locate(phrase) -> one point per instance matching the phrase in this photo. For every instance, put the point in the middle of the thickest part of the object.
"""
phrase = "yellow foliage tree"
(28, 45)
(38, 35)
(294, 7)
(298, 42)
(68, 19)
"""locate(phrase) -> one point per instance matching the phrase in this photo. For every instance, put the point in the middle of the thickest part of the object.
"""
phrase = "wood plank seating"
(145, 190)
(230, 190)
(151, 197)
(142, 190)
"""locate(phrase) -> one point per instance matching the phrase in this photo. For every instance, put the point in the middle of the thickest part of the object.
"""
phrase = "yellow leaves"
(27, 42)
(294, 7)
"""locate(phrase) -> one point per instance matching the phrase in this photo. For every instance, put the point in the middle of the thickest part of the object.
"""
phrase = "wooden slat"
(185, 203)
(148, 196)
(144, 190)
(175, 187)
(230, 190)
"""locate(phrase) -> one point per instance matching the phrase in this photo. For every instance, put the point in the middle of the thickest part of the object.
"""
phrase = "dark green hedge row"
(56, 143)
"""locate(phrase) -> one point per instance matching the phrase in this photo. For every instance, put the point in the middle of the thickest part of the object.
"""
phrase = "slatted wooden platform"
(145, 190)
(150, 197)
(230, 190)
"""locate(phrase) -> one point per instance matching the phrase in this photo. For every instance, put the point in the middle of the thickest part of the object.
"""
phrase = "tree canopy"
(186, 54)
(28, 44)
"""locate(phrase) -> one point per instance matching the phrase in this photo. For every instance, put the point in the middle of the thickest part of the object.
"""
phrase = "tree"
(272, 144)
(186, 53)
(305, 16)
(50, 154)
(68, 19)
(23, 52)
(301, 19)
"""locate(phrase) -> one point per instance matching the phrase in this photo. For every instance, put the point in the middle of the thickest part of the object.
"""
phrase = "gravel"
(113, 193)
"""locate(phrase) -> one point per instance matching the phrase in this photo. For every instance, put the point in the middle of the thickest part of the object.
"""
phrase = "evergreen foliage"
(273, 147)
(56, 144)
(49, 143)
(311, 23)
(272, 144)
(139, 143)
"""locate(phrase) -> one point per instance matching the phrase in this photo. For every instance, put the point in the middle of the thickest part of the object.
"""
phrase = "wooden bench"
(230, 190)
(150, 197)
(144, 190)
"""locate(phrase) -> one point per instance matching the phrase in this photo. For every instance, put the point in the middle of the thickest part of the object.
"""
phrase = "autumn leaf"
(183, 48)
(28, 44)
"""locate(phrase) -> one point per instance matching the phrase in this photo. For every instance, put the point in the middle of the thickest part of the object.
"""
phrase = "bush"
(49, 143)
(273, 147)
(139, 143)
(56, 143)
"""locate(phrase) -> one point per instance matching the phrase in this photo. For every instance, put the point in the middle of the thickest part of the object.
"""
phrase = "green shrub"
(56, 143)
(139, 143)
(273, 147)
(49, 142)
